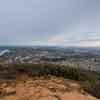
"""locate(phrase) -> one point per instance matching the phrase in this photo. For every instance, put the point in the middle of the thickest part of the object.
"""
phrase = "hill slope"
(42, 88)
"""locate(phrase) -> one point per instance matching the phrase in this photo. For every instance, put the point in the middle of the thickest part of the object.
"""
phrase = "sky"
(50, 22)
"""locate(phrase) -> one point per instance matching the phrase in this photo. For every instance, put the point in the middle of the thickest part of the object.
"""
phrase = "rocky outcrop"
(41, 88)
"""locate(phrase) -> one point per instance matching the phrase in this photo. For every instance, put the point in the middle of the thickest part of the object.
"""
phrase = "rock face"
(39, 88)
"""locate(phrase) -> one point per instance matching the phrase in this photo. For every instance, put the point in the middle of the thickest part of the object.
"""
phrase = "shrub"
(50, 69)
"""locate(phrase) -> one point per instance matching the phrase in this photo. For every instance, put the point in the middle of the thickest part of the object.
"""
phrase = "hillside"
(41, 88)
(47, 82)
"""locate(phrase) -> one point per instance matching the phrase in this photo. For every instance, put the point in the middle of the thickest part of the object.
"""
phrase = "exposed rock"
(44, 89)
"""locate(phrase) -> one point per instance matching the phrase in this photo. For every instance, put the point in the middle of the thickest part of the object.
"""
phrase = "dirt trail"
(53, 88)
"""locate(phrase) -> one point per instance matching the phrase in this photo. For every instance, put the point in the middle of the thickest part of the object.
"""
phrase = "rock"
(4, 85)
(9, 91)
(45, 92)
(76, 96)
(48, 98)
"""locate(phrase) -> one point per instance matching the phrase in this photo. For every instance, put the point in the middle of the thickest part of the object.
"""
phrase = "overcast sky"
(50, 22)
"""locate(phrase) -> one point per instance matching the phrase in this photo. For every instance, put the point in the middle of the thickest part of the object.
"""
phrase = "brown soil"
(39, 88)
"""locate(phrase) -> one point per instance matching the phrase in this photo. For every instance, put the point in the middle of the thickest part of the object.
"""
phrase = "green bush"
(56, 70)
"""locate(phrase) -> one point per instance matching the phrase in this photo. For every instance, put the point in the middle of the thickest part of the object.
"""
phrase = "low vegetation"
(56, 70)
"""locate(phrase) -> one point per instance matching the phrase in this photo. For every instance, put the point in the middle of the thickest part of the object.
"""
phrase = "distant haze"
(50, 22)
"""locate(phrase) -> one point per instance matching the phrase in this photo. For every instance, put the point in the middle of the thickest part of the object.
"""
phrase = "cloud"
(89, 44)
(80, 39)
